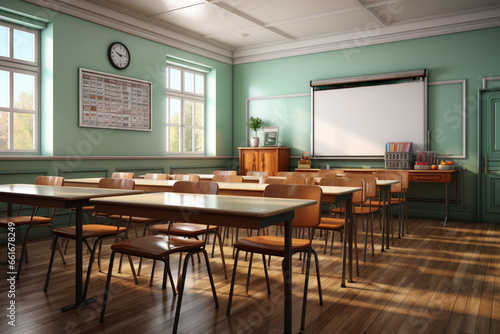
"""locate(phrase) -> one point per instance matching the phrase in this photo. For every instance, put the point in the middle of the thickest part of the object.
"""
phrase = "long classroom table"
(236, 211)
(61, 197)
(331, 194)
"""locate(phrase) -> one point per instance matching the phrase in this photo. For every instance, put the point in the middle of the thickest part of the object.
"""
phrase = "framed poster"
(114, 102)
(271, 136)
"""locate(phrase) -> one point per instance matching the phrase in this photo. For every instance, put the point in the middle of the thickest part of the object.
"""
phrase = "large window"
(185, 111)
(19, 71)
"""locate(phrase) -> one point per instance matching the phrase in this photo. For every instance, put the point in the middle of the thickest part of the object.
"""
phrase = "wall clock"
(118, 55)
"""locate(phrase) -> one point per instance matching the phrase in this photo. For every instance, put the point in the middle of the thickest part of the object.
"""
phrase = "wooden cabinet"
(270, 159)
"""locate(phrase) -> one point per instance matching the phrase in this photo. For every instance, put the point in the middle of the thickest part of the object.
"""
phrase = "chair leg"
(217, 235)
(181, 287)
(306, 286)
(249, 271)
(106, 289)
(266, 274)
(231, 288)
(51, 262)
(166, 271)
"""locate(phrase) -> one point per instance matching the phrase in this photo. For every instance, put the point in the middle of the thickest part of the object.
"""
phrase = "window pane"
(188, 139)
(174, 79)
(5, 91)
(174, 111)
(4, 130)
(23, 131)
(199, 84)
(198, 121)
(188, 82)
(198, 140)
(4, 42)
(24, 45)
(24, 88)
(174, 136)
(188, 113)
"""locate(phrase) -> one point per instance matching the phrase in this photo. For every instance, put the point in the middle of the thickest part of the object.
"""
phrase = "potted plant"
(255, 123)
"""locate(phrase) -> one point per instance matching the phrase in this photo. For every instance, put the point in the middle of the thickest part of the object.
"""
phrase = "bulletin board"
(114, 102)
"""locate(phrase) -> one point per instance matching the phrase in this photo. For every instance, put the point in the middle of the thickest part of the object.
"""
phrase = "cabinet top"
(264, 148)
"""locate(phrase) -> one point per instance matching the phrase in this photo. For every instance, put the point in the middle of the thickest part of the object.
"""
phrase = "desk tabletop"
(258, 207)
(62, 193)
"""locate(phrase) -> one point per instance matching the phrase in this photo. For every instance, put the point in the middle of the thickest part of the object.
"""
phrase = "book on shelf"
(398, 147)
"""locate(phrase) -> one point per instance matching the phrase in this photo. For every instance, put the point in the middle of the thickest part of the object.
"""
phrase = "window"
(19, 71)
(185, 111)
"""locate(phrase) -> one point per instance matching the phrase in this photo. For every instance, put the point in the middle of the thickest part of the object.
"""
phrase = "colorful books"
(398, 147)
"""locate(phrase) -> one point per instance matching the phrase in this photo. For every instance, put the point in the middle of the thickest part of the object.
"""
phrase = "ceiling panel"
(328, 24)
(255, 36)
(152, 7)
(268, 11)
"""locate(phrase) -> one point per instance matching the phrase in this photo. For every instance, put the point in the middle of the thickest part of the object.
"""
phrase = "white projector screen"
(358, 122)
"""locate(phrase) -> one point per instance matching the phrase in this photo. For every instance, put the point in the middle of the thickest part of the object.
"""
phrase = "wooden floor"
(434, 280)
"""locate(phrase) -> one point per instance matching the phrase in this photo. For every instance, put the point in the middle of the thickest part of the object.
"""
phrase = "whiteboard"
(359, 121)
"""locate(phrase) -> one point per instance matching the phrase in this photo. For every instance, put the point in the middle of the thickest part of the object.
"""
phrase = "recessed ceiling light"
(242, 35)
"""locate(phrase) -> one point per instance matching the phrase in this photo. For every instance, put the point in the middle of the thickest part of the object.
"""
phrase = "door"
(489, 201)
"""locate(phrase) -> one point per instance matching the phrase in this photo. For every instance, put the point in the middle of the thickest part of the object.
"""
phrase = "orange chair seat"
(88, 231)
(270, 245)
(328, 223)
(24, 220)
(185, 229)
(364, 210)
(156, 246)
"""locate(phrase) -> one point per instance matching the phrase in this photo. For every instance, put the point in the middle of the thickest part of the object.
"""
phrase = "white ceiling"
(238, 31)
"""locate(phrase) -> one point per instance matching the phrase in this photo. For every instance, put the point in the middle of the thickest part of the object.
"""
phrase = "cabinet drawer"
(431, 177)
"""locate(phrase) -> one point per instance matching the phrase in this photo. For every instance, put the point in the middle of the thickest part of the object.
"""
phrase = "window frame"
(184, 97)
(12, 66)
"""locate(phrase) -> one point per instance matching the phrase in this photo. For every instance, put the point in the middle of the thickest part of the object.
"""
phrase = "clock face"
(118, 55)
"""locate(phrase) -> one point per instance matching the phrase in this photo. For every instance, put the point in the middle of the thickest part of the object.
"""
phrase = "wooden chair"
(191, 230)
(122, 175)
(186, 177)
(257, 173)
(159, 247)
(271, 180)
(307, 217)
(224, 172)
(300, 179)
(32, 221)
(399, 198)
(156, 176)
(227, 178)
(89, 231)
(287, 173)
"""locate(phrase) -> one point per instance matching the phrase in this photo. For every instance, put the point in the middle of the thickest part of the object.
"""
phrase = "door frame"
(480, 160)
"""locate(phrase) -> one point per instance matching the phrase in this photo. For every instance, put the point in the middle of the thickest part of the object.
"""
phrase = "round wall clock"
(119, 56)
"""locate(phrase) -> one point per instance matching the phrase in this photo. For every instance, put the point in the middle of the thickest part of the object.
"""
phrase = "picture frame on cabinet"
(271, 136)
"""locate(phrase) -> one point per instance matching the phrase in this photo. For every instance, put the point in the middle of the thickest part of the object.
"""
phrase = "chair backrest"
(358, 196)
(227, 178)
(325, 172)
(191, 187)
(300, 179)
(224, 172)
(404, 177)
(111, 183)
(287, 173)
(43, 180)
(308, 216)
(122, 175)
(257, 173)
(156, 176)
(271, 180)
(186, 177)
(370, 183)
(395, 188)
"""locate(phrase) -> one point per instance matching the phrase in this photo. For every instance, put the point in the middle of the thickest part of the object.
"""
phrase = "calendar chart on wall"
(114, 102)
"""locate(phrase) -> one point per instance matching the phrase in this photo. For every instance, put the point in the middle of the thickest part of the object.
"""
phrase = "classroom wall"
(469, 56)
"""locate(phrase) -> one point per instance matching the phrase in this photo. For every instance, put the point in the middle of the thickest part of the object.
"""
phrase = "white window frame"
(13, 65)
(184, 97)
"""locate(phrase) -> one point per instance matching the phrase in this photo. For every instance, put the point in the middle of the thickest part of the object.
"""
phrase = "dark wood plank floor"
(434, 280)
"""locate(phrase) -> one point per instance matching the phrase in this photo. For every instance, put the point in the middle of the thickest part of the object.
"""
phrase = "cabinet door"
(250, 161)
(267, 161)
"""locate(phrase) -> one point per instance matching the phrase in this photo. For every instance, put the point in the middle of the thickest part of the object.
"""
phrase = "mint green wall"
(469, 55)
(71, 43)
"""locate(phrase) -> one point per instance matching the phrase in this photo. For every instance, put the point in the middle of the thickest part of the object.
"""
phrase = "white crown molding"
(360, 38)
(135, 24)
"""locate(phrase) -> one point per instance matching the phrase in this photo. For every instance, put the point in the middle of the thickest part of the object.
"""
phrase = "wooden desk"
(61, 197)
(235, 211)
(330, 195)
